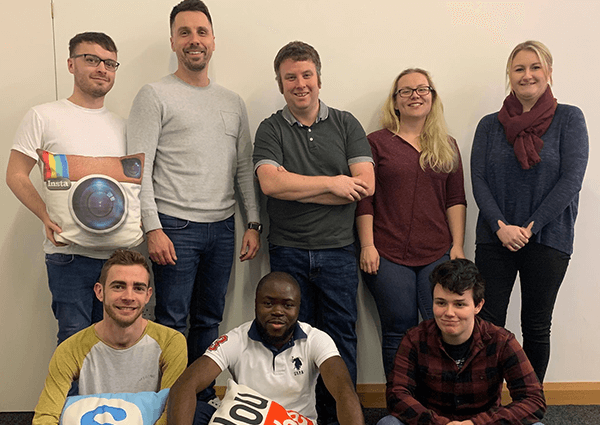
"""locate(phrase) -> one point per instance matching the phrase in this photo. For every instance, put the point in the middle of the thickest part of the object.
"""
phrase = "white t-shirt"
(62, 127)
(289, 378)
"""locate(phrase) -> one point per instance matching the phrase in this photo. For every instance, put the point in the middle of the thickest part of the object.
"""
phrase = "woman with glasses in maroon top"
(416, 218)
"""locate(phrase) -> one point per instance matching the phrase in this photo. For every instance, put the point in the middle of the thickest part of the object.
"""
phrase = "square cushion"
(143, 408)
(94, 200)
(243, 406)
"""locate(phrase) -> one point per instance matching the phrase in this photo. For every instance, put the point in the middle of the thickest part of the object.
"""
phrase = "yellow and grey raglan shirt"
(153, 363)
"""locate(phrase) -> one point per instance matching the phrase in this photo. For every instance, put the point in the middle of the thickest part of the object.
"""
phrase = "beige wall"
(363, 45)
(27, 327)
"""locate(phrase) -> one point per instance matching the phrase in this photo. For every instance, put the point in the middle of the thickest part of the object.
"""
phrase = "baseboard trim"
(562, 393)
(372, 396)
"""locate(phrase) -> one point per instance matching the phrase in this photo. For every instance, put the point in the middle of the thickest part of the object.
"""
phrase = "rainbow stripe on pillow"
(55, 165)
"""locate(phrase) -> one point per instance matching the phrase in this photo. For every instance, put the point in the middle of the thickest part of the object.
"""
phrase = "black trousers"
(541, 271)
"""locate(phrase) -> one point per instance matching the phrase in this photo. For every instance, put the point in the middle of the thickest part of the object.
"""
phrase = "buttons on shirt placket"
(310, 139)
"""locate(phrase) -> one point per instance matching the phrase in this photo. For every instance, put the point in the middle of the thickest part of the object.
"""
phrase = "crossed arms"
(279, 183)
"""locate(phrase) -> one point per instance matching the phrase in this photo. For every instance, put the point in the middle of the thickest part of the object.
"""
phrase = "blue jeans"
(328, 281)
(71, 279)
(204, 413)
(541, 271)
(392, 420)
(400, 293)
(197, 284)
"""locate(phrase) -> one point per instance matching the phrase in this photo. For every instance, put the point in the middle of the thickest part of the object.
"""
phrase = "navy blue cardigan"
(547, 194)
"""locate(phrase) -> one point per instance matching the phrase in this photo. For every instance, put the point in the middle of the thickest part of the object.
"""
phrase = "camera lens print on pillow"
(95, 200)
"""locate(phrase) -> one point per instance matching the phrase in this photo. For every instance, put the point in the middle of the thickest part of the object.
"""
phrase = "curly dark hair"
(458, 276)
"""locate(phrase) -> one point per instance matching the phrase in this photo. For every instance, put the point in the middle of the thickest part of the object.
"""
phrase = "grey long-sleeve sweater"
(197, 145)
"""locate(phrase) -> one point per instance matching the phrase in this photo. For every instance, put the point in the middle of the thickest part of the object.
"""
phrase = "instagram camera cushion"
(94, 200)
(242, 406)
(143, 408)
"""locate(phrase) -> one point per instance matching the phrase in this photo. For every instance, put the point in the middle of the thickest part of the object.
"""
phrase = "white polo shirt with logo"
(287, 376)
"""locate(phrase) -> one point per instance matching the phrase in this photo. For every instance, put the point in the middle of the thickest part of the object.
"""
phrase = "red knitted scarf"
(524, 130)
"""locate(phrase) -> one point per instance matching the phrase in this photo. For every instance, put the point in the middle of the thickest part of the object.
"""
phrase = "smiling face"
(125, 294)
(415, 106)
(192, 40)
(454, 314)
(277, 307)
(91, 81)
(300, 87)
(528, 79)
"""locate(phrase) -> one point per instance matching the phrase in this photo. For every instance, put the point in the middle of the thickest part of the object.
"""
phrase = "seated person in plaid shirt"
(449, 370)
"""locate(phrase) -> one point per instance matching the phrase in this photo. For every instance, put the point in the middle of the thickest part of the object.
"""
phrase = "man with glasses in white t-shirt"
(78, 125)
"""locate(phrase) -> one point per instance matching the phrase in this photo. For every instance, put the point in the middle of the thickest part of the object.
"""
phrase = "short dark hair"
(123, 257)
(458, 276)
(98, 38)
(277, 276)
(297, 51)
(189, 5)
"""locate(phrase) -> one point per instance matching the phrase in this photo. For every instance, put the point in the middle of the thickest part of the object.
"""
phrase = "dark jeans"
(328, 281)
(400, 293)
(71, 279)
(197, 284)
(204, 413)
(541, 271)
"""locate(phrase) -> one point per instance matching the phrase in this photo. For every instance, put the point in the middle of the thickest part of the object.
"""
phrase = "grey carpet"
(556, 415)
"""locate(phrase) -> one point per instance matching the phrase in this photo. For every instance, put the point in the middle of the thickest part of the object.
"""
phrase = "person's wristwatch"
(255, 226)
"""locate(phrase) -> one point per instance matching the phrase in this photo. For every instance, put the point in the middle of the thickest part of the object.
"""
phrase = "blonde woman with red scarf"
(527, 166)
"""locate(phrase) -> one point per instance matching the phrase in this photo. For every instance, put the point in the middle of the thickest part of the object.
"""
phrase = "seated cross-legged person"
(266, 355)
(123, 353)
(449, 370)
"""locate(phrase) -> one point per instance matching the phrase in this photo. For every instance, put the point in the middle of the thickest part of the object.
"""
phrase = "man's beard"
(91, 89)
(195, 66)
(110, 310)
(275, 340)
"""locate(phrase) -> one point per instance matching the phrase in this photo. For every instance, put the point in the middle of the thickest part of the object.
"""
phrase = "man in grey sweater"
(196, 138)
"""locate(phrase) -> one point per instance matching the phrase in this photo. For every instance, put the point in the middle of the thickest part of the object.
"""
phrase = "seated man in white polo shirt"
(275, 355)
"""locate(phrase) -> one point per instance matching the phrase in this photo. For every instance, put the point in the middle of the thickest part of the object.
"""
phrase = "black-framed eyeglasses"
(408, 92)
(93, 60)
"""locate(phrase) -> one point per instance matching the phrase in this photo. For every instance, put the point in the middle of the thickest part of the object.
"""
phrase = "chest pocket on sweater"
(231, 122)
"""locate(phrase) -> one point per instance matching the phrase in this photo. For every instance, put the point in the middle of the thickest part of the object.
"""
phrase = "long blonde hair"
(437, 151)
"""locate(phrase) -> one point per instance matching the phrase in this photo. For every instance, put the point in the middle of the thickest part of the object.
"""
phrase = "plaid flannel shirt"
(426, 386)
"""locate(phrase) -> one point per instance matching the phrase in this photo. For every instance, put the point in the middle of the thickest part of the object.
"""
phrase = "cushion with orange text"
(243, 406)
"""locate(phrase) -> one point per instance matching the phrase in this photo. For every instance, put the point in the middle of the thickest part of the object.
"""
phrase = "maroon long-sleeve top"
(409, 206)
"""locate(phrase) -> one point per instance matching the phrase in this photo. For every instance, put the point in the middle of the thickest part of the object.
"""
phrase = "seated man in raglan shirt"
(123, 353)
